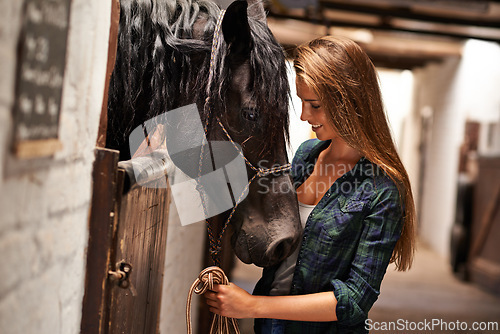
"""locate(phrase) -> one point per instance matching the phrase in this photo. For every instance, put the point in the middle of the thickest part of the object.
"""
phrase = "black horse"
(165, 61)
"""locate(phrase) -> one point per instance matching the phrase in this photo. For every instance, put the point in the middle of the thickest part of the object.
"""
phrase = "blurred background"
(439, 68)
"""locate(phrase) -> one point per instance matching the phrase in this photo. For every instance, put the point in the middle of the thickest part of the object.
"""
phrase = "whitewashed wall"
(437, 96)
(300, 131)
(44, 203)
(396, 87)
(451, 93)
(183, 263)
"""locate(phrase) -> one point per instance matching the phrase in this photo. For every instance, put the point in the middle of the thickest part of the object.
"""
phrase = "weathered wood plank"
(112, 46)
(100, 236)
(141, 242)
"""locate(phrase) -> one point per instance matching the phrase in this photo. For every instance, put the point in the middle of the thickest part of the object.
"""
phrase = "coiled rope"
(205, 281)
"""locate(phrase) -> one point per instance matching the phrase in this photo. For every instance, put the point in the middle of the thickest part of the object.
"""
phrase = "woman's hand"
(234, 302)
(230, 301)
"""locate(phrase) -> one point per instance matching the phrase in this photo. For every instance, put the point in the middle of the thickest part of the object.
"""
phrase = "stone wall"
(44, 202)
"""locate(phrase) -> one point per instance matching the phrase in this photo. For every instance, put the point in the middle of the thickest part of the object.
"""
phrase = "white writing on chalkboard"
(49, 78)
(25, 104)
(41, 106)
(37, 48)
(48, 12)
(37, 131)
(40, 69)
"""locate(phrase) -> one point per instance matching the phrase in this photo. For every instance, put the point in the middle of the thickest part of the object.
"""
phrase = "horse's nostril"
(280, 249)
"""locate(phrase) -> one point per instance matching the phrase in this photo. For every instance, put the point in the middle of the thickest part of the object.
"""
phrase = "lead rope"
(211, 275)
(205, 281)
(215, 275)
(216, 243)
(214, 249)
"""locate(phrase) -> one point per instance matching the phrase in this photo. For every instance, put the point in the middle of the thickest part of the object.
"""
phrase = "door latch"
(121, 275)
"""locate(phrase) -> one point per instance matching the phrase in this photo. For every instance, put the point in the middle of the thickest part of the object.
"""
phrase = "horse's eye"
(250, 114)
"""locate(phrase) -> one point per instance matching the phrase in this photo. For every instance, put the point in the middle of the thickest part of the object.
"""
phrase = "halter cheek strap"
(215, 43)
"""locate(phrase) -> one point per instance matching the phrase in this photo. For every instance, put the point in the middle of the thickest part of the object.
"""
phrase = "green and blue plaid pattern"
(347, 243)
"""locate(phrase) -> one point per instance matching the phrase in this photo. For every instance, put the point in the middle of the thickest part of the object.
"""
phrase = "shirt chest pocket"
(351, 205)
(345, 219)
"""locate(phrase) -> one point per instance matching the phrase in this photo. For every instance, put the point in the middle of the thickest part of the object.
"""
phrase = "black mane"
(163, 61)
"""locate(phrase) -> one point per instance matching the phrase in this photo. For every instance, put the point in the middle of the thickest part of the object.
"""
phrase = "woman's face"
(313, 112)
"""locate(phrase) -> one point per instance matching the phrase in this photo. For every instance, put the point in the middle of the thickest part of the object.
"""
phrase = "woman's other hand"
(230, 301)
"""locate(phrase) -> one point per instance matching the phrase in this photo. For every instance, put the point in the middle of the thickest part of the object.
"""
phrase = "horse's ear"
(236, 30)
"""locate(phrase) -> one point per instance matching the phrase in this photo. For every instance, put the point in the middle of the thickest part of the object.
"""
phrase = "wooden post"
(113, 42)
(101, 225)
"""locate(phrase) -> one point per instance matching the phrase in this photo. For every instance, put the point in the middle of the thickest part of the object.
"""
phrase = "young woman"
(355, 202)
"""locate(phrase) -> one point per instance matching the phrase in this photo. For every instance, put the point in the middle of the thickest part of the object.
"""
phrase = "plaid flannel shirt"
(347, 242)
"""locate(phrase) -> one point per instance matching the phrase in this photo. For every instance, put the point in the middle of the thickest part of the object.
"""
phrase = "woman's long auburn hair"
(343, 77)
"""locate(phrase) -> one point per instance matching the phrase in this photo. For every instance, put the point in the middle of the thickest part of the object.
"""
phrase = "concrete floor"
(427, 294)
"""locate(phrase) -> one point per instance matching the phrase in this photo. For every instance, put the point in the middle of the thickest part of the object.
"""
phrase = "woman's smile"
(315, 127)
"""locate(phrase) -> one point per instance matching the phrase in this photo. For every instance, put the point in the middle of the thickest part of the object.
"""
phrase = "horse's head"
(266, 227)
(163, 62)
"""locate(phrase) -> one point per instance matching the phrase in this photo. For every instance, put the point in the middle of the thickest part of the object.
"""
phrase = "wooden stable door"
(127, 239)
(126, 253)
(484, 257)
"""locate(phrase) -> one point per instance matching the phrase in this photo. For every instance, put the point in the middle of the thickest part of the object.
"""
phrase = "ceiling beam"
(385, 49)
(407, 13)
(386, 60)
(385, 26)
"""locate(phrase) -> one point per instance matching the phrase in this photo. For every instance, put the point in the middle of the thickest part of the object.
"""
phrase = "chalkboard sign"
(40, 74)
